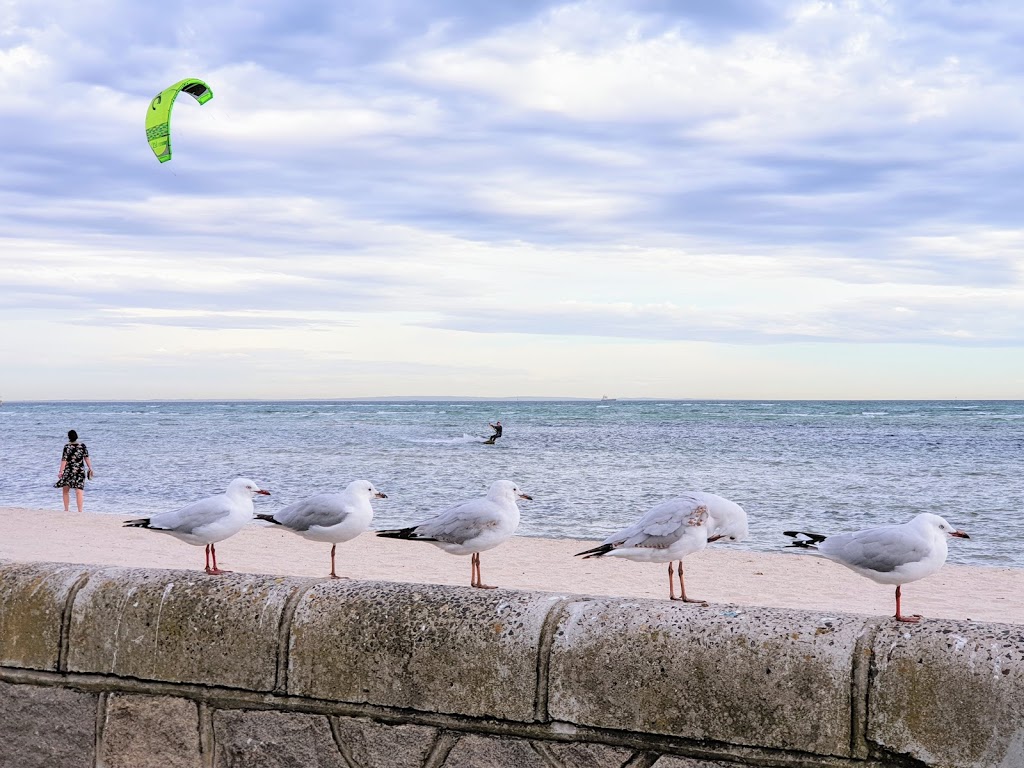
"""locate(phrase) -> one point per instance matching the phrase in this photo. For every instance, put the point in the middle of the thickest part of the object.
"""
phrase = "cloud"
(733, 173)
(969, 319)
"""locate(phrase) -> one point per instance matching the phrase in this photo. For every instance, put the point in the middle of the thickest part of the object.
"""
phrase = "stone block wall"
(129, 668)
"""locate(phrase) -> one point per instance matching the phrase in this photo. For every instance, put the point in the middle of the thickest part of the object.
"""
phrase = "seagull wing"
(881, 549)
(663, 525)
(324, 510)
(463, 522)
(190, 518)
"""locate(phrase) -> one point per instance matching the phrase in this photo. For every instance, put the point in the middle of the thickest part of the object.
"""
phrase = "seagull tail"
(268, 518)
(404, 533)
(142, 522)
(604, 549)
(811, 542)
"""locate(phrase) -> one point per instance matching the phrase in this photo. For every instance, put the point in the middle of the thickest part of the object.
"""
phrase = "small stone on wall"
(588, 755)
(244, 739)
(480, 751)
(668, 761)
(378, 745)
(150, 732)
(46, 727)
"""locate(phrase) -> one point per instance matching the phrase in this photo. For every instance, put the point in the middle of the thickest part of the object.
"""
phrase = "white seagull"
(726, 519)
(333, 517)
(209, 520)
(470, 527)
(889, 554)
(668, 532)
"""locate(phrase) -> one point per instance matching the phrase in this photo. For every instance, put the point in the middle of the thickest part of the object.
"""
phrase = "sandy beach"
(720, 574)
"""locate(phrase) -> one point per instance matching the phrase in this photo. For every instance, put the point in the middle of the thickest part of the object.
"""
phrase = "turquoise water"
(592, 467)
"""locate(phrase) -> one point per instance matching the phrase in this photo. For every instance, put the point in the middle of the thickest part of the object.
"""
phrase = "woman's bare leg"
(80, 498)
(65, 491)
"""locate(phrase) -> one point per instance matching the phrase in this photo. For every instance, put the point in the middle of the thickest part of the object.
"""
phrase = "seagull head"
(726, 520)
(365, 489)
(939, 526)
(734, 531)
(243, 486)
(502, 490)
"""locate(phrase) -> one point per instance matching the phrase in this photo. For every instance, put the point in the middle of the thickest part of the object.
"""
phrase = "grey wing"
(462, 522)
(878, 549)
(663, 525)
(194, 516)
(323, 510)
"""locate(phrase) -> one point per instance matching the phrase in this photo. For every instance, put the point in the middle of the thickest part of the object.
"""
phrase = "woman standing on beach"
(72, 471)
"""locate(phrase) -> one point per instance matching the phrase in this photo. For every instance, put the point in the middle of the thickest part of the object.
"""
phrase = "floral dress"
(74, 469)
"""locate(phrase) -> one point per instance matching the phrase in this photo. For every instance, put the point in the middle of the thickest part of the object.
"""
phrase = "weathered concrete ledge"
(106, 667)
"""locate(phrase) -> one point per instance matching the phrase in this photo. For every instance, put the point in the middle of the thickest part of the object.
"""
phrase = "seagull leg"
(671, 583)
(479, 574)
(208, 569)
(682, 586)
(899, 616)
(213, 553)
(333, 574)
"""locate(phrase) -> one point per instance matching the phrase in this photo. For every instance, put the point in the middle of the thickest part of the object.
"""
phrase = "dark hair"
(72, 435)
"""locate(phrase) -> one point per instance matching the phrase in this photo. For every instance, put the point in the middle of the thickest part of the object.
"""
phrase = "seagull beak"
(263, 493)
(526, 496)
(960, 535)
(716, 537)
(379, 495)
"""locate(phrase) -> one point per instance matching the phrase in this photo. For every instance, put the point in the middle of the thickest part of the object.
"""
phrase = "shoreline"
(720, 575)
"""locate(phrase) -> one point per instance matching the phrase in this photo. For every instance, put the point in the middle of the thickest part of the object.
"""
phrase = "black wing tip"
(269, 519)
(811, 542)
(403, 533)
(604, 549)
(137, 523)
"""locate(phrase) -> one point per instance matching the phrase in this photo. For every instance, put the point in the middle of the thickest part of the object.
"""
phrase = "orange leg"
(899, 616)
(682, 586)
(211, 554)
(478, 578)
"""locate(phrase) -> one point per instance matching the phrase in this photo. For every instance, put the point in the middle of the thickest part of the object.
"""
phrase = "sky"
(702, 199)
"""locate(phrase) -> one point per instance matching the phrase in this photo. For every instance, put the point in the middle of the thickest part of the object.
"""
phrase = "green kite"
(158, 118)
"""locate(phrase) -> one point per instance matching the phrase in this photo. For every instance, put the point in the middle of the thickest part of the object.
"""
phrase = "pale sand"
(721, 575)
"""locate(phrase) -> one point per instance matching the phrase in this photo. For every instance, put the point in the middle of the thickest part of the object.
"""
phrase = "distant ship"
(606, 399)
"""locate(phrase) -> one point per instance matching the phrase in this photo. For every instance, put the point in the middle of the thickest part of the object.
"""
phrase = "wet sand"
(721, 574)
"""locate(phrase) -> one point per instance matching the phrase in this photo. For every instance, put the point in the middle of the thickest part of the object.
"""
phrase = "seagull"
(333, 517)
(726, 519)
(889, 554)
(209, 520)
(669, 531)
(471, 527)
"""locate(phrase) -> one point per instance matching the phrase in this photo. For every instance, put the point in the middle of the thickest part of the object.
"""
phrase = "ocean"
(591, 466)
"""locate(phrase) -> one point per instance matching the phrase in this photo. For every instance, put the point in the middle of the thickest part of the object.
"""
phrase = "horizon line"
(518, 398)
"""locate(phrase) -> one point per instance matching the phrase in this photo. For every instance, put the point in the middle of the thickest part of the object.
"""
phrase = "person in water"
(72, 471)
(497, 433)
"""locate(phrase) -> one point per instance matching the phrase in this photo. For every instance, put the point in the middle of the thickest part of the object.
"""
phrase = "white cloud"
(832, 68)
(406, 195)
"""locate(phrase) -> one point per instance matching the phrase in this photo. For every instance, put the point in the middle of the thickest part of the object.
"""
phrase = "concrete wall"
(127, 668)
